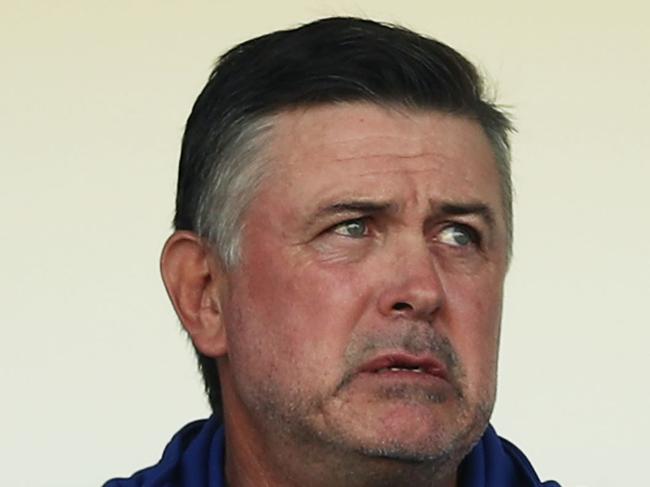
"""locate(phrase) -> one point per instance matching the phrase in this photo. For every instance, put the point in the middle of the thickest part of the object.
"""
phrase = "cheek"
(474, 308)
(291, 314)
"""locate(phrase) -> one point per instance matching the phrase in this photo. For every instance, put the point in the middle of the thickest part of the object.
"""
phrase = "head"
(406, 120)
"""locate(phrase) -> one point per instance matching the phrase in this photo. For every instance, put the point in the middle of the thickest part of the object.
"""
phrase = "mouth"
(402, 364)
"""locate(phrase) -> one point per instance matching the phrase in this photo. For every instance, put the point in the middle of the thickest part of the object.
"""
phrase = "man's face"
(365, 311)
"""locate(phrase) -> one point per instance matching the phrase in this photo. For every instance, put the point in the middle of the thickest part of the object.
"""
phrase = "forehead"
(350, 146)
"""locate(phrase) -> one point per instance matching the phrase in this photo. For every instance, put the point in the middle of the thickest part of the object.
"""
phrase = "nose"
(413, 289)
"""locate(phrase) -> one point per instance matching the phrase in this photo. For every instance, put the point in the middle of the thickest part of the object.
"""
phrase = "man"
(343, 231)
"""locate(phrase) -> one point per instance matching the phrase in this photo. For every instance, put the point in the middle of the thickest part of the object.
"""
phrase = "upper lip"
(427, 364)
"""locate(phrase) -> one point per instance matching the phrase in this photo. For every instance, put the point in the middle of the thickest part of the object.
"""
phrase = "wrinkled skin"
(377, 232)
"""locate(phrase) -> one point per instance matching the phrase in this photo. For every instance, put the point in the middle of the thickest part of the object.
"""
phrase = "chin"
(415, 432)
(436, 444)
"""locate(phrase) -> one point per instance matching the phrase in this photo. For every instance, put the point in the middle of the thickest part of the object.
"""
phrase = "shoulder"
(495, 461)
(188, 459)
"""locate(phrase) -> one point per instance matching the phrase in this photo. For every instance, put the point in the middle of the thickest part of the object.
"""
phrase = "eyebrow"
(459, 209)
(369, 207)
(353, 207)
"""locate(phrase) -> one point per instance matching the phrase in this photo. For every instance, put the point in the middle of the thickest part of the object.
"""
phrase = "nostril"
(401, 306)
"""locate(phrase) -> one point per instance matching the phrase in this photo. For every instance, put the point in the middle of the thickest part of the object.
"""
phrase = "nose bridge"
(414, 288)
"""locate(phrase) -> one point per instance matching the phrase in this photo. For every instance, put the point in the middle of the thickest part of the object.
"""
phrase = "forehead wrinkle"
(425, 156)
(356, 136)
(397, 169)
(420, 154)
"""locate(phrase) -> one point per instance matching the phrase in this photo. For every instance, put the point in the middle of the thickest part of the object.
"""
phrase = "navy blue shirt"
(195, 458)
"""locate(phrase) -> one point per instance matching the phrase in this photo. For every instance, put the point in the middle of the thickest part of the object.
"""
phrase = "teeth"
(417, 370)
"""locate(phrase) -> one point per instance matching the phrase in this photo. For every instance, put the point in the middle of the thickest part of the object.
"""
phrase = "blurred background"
(95, 372)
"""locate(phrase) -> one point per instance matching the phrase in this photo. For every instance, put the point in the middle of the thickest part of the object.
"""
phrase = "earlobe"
(193, 278)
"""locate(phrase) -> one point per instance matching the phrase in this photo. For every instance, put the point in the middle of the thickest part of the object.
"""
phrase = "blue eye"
(458, 235)
(352, 228)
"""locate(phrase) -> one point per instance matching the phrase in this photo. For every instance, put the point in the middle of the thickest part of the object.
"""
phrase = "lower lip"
(405, 376)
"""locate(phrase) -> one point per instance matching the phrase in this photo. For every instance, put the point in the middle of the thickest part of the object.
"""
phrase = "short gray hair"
(231, 185)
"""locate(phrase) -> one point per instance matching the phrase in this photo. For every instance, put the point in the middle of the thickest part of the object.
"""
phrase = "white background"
(95, 372)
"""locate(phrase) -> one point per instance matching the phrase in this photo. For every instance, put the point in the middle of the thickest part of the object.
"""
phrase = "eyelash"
(360, 220)
(473, 234)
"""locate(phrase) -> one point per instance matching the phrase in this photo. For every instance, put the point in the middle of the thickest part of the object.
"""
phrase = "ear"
(195, 281)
